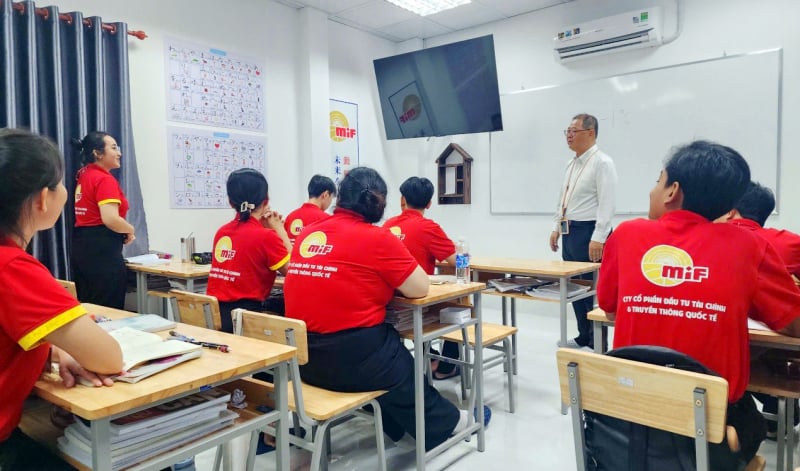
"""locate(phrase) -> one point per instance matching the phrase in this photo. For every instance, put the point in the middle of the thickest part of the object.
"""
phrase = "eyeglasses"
(567, 132)
(116, 147)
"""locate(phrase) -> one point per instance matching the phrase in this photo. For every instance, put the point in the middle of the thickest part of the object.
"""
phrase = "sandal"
(440, 376)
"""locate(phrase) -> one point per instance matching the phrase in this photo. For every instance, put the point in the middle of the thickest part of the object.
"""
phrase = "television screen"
(440, 91)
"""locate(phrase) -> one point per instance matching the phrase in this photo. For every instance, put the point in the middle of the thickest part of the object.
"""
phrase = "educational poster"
(344, 137)
(409, 110)
(200, 162)
(213, 87)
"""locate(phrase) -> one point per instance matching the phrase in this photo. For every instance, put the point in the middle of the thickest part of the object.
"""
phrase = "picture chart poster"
(213, 87)
(200, 162)
(344, 137)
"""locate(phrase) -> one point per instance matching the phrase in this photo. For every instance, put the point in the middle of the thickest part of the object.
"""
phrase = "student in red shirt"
(321, 192)
(428, 243)
(39, 318)
(249, 250)
(750, 213)
(100, 225)
(680, 281)
(341, 276)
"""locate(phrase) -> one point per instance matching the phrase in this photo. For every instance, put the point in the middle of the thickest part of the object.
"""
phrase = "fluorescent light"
(427, 7)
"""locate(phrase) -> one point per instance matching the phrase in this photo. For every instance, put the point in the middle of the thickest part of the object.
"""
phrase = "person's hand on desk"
(69, 370)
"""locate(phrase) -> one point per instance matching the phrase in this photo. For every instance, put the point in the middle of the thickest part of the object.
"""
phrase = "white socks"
(463, 420)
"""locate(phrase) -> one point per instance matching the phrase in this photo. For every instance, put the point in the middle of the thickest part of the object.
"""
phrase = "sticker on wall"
(344, 137)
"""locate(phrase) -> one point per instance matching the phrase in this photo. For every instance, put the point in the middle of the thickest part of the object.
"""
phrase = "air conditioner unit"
(623, 32)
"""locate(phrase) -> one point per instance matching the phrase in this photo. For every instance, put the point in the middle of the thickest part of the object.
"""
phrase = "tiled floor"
(536, 437)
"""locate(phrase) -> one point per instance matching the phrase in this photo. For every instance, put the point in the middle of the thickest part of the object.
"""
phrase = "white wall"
(283, 38)
(524, 53)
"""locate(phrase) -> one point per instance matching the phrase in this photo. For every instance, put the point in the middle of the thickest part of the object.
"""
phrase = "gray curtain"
(63, 79)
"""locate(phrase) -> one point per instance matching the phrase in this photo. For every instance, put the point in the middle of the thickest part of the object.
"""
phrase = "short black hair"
(712, 177)
(363, 190)
(756, 203)
(417, 192)
(247, 189)
(588, 122)
(320, 184)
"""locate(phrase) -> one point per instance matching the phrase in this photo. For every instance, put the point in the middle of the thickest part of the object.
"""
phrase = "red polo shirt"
(301, 217)
(343, 273)
(33, 306)
(425, 239)
(686, 283)
(96, 187)
(245, 259)
(786, 243)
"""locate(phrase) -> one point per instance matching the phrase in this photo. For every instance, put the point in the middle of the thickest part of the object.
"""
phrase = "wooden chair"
(196, 309)
(317, 409)
(496, 337)
(673, 400)
(69, 286)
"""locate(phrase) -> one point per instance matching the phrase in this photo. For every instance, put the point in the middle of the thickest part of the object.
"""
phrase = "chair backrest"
(69, 286)
(273, 328)
(654, 396)
(196, 309)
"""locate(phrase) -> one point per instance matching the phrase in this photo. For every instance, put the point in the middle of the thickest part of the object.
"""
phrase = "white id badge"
(564, 227)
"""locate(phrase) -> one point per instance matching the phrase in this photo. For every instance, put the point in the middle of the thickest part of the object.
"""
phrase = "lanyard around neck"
(567, 196)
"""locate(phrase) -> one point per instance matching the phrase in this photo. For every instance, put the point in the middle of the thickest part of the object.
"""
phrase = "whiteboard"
(733, 100)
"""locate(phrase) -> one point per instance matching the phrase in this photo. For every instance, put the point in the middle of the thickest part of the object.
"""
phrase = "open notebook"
(145, 354)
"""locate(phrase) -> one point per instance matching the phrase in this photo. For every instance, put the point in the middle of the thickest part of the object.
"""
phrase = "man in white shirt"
(585, 208)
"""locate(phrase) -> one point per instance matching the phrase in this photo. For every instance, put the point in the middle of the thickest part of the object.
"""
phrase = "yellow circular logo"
(412, 107)
(296, 226)
(338, 120)
(223, 251)
(665, 265)
(78, 193)
(315, 244)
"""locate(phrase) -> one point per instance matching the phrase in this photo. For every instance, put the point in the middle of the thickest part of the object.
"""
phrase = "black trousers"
(575, 248)
(98, 267)
(373, 358)
(274, 304)
(21, 453)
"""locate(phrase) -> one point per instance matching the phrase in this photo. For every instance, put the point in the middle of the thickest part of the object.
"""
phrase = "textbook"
(143, 322)
(147, 259)
(145, 354)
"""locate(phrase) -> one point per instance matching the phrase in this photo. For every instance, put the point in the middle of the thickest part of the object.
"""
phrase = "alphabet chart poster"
(200, 162)
(213, 87)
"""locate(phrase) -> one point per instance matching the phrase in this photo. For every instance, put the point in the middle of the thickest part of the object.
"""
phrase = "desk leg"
(101, 438)
(563, 306)
(282, 403)
(514, 336)
(478, 370)
(141, 292)
(790, 433)
(781, 439)
(599, 340)
(419, 384)
(190, 285)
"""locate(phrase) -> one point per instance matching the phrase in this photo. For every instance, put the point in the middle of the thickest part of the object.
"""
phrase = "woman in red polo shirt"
(100, 225)
(343, 272)
(249, 250)
(37, 312)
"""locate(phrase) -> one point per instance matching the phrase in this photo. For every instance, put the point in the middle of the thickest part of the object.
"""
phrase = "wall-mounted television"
(440, 91)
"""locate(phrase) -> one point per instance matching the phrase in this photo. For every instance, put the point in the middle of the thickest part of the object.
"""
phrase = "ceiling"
(391, 22)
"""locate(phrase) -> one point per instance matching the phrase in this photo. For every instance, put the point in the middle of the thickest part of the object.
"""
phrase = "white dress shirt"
(592, 181)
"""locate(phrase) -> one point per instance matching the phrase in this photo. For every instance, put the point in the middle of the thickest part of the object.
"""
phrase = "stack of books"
(516, 283)
(553, 290)
(144, 434)
(403, 318)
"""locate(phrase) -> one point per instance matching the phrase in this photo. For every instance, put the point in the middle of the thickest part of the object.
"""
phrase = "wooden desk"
(213, 368)
(175, 269)
(436, 295)
(554, 269)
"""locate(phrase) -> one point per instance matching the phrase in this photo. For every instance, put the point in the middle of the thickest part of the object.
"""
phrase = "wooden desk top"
(531, 267)
(173, 269)
(439, 293)
(764, 338)
(212, 368)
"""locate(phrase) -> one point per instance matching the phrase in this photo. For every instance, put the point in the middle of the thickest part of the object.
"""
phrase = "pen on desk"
(216, 346)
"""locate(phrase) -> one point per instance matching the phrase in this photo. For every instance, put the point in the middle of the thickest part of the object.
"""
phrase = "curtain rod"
(45, 13)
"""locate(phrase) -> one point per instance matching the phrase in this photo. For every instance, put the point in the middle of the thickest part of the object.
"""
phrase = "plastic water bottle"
(462, 261)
